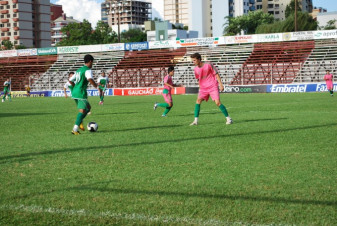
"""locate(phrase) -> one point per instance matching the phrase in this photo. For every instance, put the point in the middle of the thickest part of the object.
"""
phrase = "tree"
(331, 25)
(133, 35)
(76, 34)
(20, 47)
(290, 9)
(103, 34)
(248, 22)
(6, 44)
(304, 20)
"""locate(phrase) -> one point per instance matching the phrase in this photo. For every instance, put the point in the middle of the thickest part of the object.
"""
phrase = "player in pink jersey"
(168, 86)
(329, 81)
(209, 82)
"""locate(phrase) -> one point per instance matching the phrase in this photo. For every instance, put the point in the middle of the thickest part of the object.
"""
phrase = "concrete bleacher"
(58, 73)
(227, 58)
(23, 69)
(274, 63)
(145, 68)
(322, 58)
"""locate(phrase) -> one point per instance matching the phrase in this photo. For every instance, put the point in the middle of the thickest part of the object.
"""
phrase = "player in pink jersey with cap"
(168, 86)
(209, 82)
(329, 81)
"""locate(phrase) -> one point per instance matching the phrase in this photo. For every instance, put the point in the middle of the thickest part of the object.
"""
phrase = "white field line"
(123, 216)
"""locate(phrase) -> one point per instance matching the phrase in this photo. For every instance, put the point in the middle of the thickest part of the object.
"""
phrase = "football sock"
(75, 128)
(102, 97)
(331, 91)
(4, 98)
(167, 110)
(196, 110)
(163, 105)
(80, 117)
(9, 97)
(223, 110)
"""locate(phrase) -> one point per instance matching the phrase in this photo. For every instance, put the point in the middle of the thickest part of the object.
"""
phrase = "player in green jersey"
(103, 82)
(79, 93)
(7, 91)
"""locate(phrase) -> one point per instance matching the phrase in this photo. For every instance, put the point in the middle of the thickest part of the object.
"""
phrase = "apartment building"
(278, 7)
(57, 25)
(240, 7)
(126, 14)
(26, 22)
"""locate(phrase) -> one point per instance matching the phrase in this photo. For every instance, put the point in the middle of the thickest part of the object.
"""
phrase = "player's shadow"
(18, 114)
(116, 113)
(162, 141)
(145, 128)
(258, 120)
(105, 186)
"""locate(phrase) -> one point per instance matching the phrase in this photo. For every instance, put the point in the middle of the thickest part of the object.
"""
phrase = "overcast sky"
(91, 9)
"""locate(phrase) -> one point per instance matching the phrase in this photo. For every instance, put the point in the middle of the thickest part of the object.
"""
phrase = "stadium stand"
(21, 69)
(323, 57)
(227, 58)
(145, 68)
(275, 63)
(58, 73)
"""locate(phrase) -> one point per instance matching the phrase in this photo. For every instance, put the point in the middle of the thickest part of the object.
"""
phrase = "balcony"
(15, 19)
(16, 37)
(4, 11)
(15, 1)
(4, 20)
(4, 38)
(16, 28)
(15, 10)
(3, 2)
(4, 29)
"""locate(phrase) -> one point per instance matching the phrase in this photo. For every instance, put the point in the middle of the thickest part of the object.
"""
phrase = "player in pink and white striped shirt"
(209, 82)
(329, 81)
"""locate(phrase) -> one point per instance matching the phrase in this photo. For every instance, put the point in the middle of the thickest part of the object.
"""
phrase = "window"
(277, 12)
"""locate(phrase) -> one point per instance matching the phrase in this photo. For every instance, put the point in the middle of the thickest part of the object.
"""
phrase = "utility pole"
(295, 15)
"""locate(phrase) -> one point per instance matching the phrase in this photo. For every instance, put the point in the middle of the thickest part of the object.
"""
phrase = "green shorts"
(83, 104)
(102, 88)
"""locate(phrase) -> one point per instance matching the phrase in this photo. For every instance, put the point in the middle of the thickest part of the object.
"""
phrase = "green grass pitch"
(277, 164)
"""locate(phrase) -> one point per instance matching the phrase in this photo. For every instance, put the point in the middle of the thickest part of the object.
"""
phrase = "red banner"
(146, 91)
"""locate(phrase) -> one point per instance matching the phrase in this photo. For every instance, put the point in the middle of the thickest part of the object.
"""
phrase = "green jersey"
(103, 81)
(6, 86)
(81, 80)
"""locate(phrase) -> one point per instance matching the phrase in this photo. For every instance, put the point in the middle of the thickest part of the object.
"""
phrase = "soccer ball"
(92, 126)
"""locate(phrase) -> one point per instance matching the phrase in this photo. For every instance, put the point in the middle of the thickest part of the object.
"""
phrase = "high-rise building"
(177, 11)
(26, 22)
(240, 7)
(208, 17)
(278, 7)
(126, 14)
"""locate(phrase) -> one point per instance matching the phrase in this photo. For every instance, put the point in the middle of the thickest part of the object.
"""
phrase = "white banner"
(113, 47)
(67, 49)
(8, 53)
(27, 52)
(162, 44)
(89, 48)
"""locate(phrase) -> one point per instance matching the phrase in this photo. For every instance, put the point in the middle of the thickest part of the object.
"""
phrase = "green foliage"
(276, 165)
(133, 35)
(331, 25)
(77, 34)
(290, 9)
(305, 22)
(82, 34)
(20, 47)
(6, 44)
(248, 22)
(103, 34)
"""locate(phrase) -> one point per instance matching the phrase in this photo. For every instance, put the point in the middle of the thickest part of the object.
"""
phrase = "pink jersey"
(328, 79)
(206, 75)
(168, 80)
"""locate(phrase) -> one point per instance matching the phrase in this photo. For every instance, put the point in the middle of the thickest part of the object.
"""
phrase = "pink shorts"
(205, 93)
(167, 97)
(329, 85)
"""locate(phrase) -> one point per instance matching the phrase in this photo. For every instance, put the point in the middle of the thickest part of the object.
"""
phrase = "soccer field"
(277, 164)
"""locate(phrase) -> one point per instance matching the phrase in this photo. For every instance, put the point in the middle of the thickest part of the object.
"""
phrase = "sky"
(91, 9)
